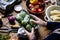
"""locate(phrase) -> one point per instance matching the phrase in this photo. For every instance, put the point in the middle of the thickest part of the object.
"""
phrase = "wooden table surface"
(43, 31)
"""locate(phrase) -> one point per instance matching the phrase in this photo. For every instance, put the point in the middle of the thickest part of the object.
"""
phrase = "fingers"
(35, 21)
(26, 32)
(36, 18)
(57, 31)
(32, 30)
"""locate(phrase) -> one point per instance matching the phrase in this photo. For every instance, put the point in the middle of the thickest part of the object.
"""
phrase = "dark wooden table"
(43, 31)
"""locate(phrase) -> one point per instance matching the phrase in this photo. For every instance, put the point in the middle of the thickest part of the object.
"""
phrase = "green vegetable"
(28, 27)
(31, 22)
(27, 17)
(19, 19)
(24, 22)
(3, 37)
(22, 14)
(0, 36)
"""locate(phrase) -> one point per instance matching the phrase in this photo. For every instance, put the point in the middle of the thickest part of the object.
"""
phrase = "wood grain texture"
(43, 31)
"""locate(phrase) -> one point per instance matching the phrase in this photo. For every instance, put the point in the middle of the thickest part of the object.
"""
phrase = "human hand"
(38, 21)
(30, 35)
(57, 31)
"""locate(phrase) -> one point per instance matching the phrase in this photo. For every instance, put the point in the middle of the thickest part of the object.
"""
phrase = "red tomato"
(30, 5)
(39, 10)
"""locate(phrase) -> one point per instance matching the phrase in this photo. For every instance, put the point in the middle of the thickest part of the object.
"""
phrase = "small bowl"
(47, 12)
(27, 4)
(18, 8)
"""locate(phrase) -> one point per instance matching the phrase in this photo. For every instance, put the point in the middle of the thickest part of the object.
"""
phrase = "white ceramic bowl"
(18, 8)
(47, 12)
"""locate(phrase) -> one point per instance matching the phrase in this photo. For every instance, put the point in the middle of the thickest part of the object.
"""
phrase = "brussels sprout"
(22, 14)
(3, 37)
(27, 17)
(19, 19)
(0, 36)
(28, 27)
(24, 22)
(31, 22)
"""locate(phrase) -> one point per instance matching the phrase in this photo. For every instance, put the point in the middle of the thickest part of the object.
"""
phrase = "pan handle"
(46, 19)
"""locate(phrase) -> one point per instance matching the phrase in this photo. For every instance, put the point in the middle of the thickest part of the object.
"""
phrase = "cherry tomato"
(39, 10)
(30, 5)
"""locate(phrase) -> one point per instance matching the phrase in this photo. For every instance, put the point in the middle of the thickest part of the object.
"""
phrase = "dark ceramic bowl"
(29, 10)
